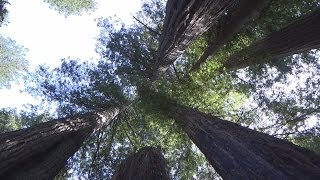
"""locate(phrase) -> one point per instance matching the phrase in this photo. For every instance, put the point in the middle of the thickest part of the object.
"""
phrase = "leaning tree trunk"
(185, 21)
(234, 151)
(300, 36)
(237, 152)
(245, 11)
(41, 151)
(146, 164)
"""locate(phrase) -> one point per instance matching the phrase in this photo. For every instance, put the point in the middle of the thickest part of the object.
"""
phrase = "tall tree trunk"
(146, 164)
(234, 151)
(41, 151)
(237, 152)
(185, 21)
(300, 36)
(244, 12)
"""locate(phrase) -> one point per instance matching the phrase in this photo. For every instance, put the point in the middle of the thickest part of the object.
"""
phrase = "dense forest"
(208, 89)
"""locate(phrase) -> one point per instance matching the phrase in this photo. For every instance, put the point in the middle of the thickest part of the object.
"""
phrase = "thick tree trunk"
(146, 164)
(244, 12)
(185, 21)
(300, 36)
(237, 152)
(41, 151)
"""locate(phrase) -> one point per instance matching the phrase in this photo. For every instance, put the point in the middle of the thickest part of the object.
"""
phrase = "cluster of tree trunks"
(148, 163)
(245, 11)
(299, 36)
(235, 152)
(185, 21)
(41, 151)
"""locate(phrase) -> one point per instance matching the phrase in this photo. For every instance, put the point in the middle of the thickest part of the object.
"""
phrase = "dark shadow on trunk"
(146, 164)
(185, 21)
(245, 11)
(302, 35)
(41, 151)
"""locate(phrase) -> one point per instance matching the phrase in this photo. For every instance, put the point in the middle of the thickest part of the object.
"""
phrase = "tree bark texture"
(41, 151)
(237, 152)
(185, 21)
(245, 11)
(146, 164)
(300, 36)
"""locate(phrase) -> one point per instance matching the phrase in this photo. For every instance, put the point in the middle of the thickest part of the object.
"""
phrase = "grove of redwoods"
(204, 89)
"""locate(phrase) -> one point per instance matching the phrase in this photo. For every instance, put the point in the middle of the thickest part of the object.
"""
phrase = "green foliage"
(12, 60)
(78, 87)
(250, 97)
(9, 120)
(72, 7)
(310, 141)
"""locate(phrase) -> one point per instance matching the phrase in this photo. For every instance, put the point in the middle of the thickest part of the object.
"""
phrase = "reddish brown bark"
(185, 21)
(234, 151)
(41, 151)
(245, 11)
(146, 164)
(300, 36)
(237, 152)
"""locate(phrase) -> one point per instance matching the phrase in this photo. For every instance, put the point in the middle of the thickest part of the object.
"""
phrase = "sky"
(49, 36)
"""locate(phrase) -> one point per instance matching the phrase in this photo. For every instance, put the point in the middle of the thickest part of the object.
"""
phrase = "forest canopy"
(192, 85)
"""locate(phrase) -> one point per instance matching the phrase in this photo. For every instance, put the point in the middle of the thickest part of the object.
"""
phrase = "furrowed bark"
(40, 152)
(146, 164)
(185, 21)
(237, 152)
(244, 12)
(234, 151)
(300, 36)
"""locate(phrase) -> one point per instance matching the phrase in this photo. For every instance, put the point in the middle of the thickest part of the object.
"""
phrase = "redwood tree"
(41, 151)
(234, 151)
(238, 152)
(147, 163)
(299, 36)
(241, 14)
(185, 21)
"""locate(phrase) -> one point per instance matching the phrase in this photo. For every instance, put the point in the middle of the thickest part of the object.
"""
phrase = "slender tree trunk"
(146, 164)
(41, 151)
(244, 12)
(237, 152)
(185, 21)
(300, 36)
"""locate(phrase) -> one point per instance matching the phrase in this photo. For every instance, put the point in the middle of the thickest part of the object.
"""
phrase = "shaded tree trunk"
(237, 152)
(185, 21)
(300, 36)
(41, 151)
(234, 151)
(146, 164)
(244, 12)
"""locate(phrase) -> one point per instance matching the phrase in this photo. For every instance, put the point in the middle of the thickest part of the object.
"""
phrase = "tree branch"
(146, 26)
